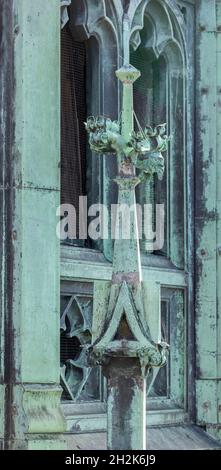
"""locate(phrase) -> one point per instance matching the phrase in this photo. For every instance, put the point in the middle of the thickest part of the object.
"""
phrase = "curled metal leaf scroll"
(143, 149)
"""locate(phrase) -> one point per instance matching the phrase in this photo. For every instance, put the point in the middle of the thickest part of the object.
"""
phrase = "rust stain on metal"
(131, 278)
(202, 27)
(206, 405)
(204, 90)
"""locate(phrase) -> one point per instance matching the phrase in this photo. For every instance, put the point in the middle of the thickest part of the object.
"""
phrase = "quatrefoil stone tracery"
(75, 325)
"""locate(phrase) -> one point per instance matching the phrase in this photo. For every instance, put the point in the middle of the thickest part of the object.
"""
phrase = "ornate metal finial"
(126, 314)
(128, 299)
(143, 149)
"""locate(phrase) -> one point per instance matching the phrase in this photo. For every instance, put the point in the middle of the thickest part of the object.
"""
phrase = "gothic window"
(150, 105)
(159, 97)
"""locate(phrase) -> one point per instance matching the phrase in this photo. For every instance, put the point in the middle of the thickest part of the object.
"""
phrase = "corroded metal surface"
(180, 437)
(124, 346)
(143, 149)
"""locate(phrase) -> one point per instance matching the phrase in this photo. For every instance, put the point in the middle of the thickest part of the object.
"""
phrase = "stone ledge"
(158, 438)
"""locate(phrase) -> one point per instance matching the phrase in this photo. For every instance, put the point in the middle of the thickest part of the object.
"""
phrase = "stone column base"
(35, 420)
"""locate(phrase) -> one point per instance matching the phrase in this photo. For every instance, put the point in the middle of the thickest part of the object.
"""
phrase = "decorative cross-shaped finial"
(140, 150)
(134, 150)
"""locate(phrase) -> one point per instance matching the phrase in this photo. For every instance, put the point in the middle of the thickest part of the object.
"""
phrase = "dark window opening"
(73, 116)
(150, 106)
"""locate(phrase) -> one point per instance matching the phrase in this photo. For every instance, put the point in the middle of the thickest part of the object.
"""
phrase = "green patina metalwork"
(126, 303)
(133, 150)
(35, 324)
(33, 417)
(143, 149)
